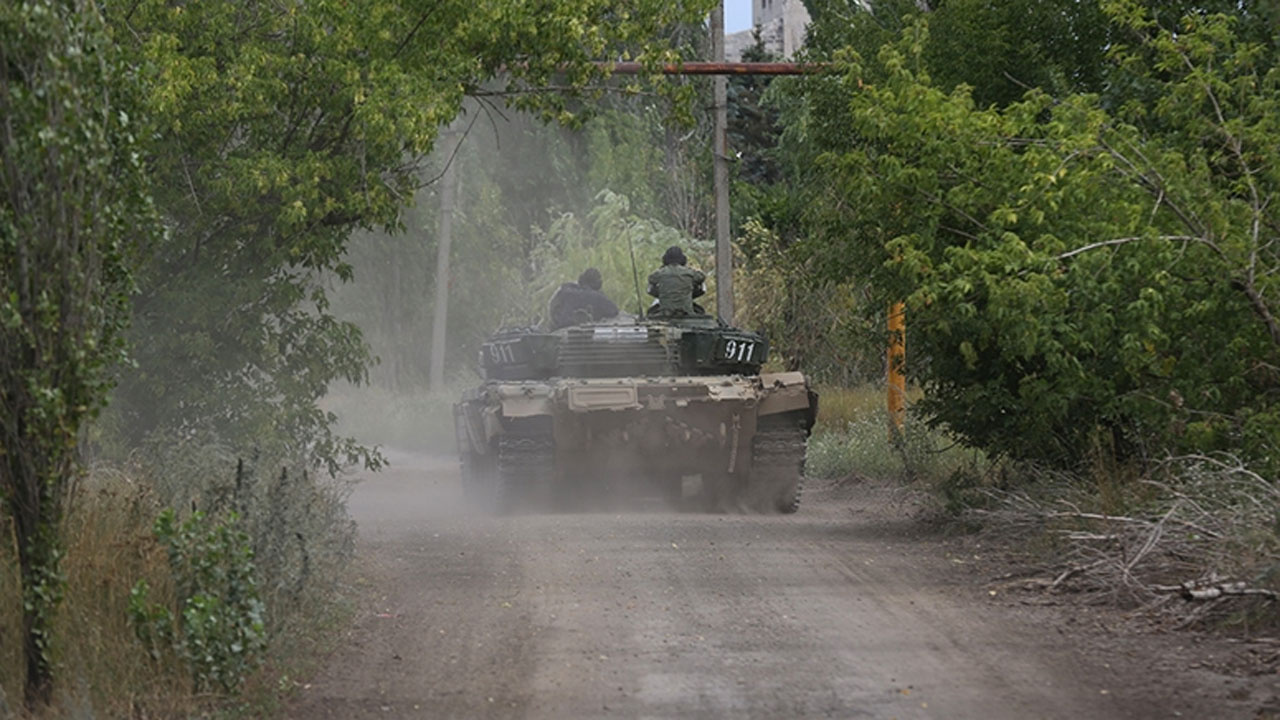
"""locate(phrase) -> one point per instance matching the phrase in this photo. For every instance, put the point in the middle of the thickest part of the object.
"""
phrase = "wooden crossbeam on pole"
(718, 68)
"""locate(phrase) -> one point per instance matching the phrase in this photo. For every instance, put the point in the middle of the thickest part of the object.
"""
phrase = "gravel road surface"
(848, 609)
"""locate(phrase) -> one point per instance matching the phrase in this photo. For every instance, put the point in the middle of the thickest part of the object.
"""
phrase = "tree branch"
(1126, 240)
(415, 29)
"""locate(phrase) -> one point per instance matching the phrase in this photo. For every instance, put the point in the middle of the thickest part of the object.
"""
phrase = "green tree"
(74, 204)
(1073, 275)
(1000, 49)
(279, 131)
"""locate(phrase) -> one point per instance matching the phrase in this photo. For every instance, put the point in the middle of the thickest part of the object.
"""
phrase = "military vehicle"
(674, 406)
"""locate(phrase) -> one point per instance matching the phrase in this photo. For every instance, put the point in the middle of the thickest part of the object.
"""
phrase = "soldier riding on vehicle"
(676, 285)
(580, 302)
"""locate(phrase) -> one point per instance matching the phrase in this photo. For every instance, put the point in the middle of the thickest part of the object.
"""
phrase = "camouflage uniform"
(676, 286)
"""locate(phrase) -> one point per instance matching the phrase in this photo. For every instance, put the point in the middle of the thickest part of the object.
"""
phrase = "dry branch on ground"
(1203, 532)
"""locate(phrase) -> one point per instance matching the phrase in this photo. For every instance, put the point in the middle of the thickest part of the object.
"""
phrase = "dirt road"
(848, 609)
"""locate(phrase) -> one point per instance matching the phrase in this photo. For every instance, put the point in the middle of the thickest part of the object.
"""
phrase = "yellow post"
(896, 364)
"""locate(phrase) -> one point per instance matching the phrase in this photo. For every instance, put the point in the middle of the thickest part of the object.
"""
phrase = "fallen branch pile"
(1207, 537)
(1213, 588)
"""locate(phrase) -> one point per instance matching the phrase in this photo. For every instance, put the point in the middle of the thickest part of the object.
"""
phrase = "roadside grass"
(102, 669)
(297, 654)
(302, 540)
(852, 438)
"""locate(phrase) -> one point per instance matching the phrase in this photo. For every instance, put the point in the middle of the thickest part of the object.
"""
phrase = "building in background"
(782, 25)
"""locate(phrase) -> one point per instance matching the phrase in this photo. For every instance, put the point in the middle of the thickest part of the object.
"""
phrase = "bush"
(217, 626)
(813, 325)
(300, 538)
(295, 518)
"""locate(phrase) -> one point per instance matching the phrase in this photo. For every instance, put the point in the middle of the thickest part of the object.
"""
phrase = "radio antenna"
(635, 274)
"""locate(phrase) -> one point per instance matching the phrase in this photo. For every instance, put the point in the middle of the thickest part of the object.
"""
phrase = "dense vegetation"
(1076, 202)
(1080, 266)
(226, 211)
(183, 180)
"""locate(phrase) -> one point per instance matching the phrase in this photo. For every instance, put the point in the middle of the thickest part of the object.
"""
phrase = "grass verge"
(294, 522)
(853, 438)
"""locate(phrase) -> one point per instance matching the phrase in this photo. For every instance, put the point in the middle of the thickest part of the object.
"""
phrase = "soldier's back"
(675, 287)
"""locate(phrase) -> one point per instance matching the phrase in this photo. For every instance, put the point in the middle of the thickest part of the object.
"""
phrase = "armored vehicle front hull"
(722, 441)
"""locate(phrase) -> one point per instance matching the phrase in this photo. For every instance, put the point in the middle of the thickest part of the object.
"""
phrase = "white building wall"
(782, 25)
(735, 43)
(795, 23)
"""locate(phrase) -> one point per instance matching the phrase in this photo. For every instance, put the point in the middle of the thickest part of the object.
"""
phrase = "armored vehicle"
(673, 406)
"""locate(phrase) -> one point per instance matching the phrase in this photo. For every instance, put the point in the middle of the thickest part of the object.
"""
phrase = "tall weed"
(102, 670)
(298, 538)
(216, 627)
(853, 437)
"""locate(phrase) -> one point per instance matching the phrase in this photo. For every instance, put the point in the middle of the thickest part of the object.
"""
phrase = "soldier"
(580, 302)
(675, 286)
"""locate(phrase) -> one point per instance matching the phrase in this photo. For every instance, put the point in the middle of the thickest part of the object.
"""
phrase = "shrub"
(814, 325)
(295, 518)
(217, 627)
(299, 536)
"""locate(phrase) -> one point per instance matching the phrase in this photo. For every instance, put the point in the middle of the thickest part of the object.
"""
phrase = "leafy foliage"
(280, 130)
(998, 49)
(219, 628)
(814, 323)
(74, 203)
(1069, 271)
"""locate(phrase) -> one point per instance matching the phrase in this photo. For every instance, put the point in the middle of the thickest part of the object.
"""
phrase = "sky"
(737, 15)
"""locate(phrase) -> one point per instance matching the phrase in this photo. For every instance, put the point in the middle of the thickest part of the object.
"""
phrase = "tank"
(674, 407)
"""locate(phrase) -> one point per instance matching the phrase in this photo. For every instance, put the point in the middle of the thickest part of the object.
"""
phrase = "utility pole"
(897, 351)
(719, 146)
(444, 236)
(720, 151)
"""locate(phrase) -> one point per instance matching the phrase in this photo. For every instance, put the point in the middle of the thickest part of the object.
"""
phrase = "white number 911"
(738, 350)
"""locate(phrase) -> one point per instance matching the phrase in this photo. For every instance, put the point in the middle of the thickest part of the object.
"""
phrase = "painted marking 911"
(740, 351)
(503, 353)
